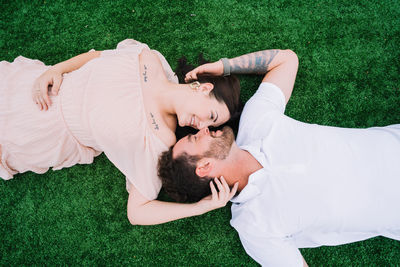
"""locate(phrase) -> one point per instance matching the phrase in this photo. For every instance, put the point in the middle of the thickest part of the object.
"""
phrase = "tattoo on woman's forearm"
(257, 62)
(154, 123)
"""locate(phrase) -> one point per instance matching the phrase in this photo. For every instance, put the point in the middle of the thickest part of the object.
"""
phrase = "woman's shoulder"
(131, 44)
(125, 48)
(170, 139)
(151, 61)
(162, 130)
(152, 58)
(157, 65)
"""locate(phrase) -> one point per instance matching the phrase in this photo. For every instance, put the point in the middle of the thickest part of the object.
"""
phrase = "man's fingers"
(191, 76)
(188, 77)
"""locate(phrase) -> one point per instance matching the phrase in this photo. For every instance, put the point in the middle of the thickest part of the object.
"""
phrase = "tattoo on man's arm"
(145, 74)
(257, 62)
(154, 123)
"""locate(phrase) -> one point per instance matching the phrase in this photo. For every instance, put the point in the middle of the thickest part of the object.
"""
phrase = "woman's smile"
(192, 121)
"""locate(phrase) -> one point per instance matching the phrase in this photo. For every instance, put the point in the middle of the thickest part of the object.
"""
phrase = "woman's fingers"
(44, 92)
(234, 190)
(40, 95)
(36, 96)
(219, 198)
(225, 185)
(221, 188)
(34, 93)
(214, 192)
(53, 78)
(228, 193)
(225, 192)
(39, 104)
(56, 85)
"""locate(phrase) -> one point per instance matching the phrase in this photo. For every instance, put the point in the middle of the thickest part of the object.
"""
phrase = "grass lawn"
(348, 76)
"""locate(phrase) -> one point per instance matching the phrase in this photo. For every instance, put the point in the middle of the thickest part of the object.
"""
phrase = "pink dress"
(99, 109)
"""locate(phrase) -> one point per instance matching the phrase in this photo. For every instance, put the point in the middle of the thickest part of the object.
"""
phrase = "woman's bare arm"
(53, 77)
(141, 211)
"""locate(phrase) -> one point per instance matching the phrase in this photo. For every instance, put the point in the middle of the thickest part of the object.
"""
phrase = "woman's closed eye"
(214, 117)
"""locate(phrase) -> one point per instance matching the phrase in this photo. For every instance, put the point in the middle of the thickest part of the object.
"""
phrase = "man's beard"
(221, 145)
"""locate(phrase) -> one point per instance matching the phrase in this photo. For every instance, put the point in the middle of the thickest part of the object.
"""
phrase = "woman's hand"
(217, 199)
(51, 81)
(53, 78)
(213, 69)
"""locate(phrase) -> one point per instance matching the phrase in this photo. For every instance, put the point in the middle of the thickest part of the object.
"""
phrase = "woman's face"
(202, 110)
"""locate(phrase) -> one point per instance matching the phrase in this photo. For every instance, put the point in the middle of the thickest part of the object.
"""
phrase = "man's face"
(206, 144)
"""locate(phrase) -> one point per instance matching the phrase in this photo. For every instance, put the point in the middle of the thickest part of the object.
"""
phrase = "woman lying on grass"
(124, 102)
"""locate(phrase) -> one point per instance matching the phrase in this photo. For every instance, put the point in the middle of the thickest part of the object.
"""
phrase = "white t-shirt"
(319, 185)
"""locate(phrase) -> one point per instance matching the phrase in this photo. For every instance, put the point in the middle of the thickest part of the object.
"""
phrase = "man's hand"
(40, 92)
(217, 199)
(212, 69)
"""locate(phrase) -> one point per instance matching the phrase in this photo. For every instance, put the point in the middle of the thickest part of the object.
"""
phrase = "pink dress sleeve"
(130, 146)
(132, 46)
(117, 117)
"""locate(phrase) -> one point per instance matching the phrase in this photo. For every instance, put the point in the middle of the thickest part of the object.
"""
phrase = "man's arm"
(280, 67)
(271, 251)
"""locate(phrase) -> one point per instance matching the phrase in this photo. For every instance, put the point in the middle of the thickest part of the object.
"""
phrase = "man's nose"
(204, 131)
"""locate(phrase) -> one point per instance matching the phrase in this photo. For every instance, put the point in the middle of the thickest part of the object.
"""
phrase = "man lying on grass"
(300, 185)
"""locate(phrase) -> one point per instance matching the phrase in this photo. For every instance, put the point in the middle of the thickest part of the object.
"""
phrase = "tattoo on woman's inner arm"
(154, 123)
(257, 62)
(145, 74)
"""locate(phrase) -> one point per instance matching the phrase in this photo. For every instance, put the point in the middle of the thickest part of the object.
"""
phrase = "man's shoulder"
(241, 217)
(256, 126)
(245, 207)
(269, 97)
(260, 112)
(249, 221)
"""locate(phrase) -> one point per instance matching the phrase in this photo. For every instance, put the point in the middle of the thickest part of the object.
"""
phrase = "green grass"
(348, 76)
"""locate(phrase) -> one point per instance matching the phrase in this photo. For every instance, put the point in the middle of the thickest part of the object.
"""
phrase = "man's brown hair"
(179, 177)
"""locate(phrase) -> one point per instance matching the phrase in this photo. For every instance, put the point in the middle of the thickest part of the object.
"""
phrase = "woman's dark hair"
(226, 89)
